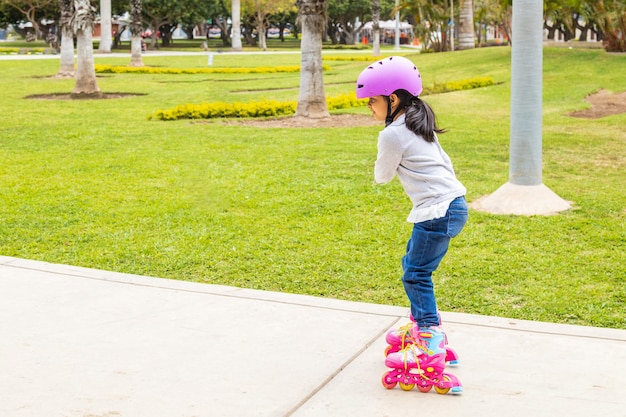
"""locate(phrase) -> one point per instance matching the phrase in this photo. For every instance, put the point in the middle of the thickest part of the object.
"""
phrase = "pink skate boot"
(421, 364)
(399, 339)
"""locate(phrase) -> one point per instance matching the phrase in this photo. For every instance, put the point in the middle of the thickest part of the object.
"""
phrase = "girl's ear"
(393, 99)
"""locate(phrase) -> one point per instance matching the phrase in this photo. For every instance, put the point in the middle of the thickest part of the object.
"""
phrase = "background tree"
(611, 16)
(311, 97)
(284, 18)
(505, 18)
(260, 11)
(467, 37)
(82, 25)
(376, 27)
(486, 14)
(193, 15)
(105, 27)
(136, 29)
(585, 18)
(161, 18)
(346, 18)
(432, 22)
(66, 68)
(236, 25)
(35, 12)
(218, 15)
(558, 18)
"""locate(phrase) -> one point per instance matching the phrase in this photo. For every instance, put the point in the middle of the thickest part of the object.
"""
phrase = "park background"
(102, 184)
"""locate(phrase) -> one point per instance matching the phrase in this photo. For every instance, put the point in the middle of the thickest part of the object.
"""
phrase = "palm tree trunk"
(376, 27)
(311, 99)
(451, 26)
(105, 27)
(525, 193)
(526, 92)
(466, 25)
(66, 69)
(236, 30)
(82, 24)
(136, 29)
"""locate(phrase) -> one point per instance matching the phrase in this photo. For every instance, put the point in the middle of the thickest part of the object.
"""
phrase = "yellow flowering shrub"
(21, 51)
(352, 58)
(264, 108)
(118, 69)
(268, 108)
(475, 82)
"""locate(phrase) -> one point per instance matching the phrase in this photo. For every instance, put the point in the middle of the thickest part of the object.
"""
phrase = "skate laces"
(406, 332)
(417, 351)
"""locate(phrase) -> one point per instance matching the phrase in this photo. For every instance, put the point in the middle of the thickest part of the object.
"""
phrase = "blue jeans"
(428, 244)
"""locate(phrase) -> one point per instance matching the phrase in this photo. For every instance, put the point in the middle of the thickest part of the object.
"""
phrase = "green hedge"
(22, 51)
(264, 108)
(118, 69)
(269, 108)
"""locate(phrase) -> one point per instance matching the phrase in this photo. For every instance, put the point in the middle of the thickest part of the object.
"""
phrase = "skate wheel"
(424, 388)
(406, 387)
(387, 382)
(441, 390)
(388, 350)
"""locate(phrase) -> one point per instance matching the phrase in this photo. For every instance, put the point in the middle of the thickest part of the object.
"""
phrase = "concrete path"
(77, 342)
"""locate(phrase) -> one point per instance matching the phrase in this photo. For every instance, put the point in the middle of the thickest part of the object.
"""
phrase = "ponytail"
(420, 118)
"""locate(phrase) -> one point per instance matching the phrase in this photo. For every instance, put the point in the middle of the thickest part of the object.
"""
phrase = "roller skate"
(399, 339)
(421, 364)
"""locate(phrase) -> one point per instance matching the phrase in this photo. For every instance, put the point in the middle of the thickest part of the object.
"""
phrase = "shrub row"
(268, 108)
(476, 82)
(22, 51)
(264, 108)
(352, 58)
(113, 69)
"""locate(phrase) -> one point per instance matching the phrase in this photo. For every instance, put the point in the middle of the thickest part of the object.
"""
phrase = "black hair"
(420, 118)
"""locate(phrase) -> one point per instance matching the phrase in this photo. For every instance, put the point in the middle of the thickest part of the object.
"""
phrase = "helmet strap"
(391, 116)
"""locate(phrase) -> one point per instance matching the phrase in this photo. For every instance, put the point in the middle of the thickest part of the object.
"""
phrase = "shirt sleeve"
(388, 159)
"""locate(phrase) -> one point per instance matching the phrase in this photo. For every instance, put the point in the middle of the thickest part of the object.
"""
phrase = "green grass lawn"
(96, 184)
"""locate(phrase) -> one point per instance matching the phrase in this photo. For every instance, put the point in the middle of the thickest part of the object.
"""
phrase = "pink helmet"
(388, 75)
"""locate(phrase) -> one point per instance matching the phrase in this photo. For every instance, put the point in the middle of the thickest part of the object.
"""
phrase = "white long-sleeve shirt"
(423, 168)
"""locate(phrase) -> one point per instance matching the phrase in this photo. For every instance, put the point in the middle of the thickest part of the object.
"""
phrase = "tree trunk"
(105, 27)
(262, 39)
(613, 26)
(376, 27)
(261, 30)
(82, 24)
(526, 92)
(525, 194)
(136, 28)
(66, 69)
(236, 22)
(311, 99)
(466, 25)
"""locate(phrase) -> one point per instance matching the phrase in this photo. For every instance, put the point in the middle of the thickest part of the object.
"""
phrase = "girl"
(409, 148)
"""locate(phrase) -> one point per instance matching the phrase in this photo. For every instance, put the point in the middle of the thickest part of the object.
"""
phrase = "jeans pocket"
(456, 221)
